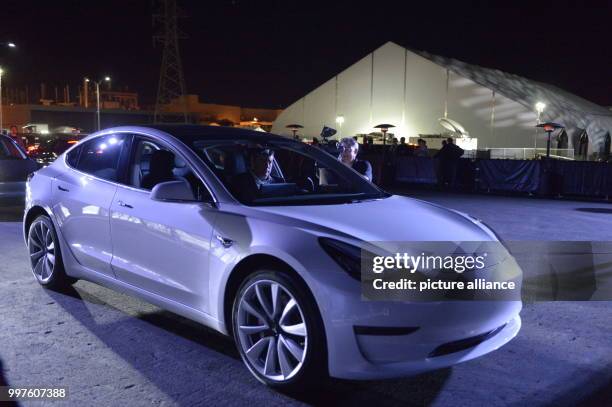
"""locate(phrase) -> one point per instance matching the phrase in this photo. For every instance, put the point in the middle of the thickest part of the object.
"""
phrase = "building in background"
(223, 115)
(425, 95)
(45, 119)
(121, 108)
(115, 99)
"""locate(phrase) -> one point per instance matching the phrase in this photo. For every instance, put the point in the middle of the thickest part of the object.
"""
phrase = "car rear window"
(100, 156)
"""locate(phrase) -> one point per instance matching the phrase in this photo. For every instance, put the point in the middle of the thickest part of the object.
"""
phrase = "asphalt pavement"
(113, 350)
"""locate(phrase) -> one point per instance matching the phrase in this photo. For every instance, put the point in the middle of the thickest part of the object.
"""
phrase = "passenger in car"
(160, 169)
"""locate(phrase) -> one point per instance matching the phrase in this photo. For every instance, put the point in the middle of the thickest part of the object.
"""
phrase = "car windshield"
(284, 173)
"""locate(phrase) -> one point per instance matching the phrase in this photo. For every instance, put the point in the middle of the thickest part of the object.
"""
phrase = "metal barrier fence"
(529, 153)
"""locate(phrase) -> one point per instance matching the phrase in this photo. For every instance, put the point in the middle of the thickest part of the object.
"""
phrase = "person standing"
(449, 159)
(348, 155)
(422, 150)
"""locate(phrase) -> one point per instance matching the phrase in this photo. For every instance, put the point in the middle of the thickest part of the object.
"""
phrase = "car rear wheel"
(45, 255)
(278, 331)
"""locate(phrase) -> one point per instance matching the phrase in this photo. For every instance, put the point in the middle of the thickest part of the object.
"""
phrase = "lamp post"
(386, 170)
(1, 72)
(540, 106)
(97, 83)
(85, 100)
(12, 45)
(549, 127)
(340, 121)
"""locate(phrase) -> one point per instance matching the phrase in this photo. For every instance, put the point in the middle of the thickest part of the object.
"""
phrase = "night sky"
(269, 54)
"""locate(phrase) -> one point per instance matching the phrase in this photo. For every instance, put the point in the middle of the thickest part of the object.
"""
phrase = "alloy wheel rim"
(272, 330)
(42, 251)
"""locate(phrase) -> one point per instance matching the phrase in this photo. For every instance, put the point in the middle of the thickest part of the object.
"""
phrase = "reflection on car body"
(276, 271)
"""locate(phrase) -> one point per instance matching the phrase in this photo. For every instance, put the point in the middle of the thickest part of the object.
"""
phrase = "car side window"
(72, 158)
(100, 156)
(152, 163)
(8, 150)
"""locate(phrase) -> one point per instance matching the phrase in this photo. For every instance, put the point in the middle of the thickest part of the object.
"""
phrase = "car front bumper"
(385, 339)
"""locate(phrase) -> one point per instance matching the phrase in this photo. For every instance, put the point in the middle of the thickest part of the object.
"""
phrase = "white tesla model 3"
(237, 230)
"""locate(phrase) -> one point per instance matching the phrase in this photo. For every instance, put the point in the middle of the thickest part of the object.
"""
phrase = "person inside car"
(160, 169)
(247, 186)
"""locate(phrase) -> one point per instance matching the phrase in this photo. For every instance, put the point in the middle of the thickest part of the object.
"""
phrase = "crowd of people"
(349, 152)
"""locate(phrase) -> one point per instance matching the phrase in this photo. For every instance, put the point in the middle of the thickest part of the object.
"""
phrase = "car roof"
(189, 133)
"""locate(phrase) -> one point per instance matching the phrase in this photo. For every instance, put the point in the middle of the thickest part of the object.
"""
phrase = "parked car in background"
(15, 166)
(45, 149)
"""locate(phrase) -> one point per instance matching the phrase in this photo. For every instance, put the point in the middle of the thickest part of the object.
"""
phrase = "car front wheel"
(278, 331)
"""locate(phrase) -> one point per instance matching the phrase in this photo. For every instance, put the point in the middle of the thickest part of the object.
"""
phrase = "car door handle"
(225, 242)
(61, 188)
(124, 205)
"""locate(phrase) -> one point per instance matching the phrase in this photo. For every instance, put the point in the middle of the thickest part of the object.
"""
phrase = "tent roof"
(525, 91)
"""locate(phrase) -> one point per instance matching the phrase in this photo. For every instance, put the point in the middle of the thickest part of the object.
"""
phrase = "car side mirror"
(176, 191)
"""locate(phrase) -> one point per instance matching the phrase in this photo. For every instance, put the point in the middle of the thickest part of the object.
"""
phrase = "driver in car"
(247, 186)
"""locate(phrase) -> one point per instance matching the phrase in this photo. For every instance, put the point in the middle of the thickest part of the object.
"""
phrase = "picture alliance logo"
(424, 263)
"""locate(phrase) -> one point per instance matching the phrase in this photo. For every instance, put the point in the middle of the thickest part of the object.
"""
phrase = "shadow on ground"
(595, 210)
(4, 382)
(213, 354)
(11, 213)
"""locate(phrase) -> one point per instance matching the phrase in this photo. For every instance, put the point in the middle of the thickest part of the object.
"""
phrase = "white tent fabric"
(574, 112)
(413, 90)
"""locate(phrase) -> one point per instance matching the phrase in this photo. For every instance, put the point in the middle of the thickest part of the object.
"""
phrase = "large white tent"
(414, 90)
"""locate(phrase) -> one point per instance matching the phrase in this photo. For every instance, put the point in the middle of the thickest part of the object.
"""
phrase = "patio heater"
(384, 128)
(294, 129)
(549, 127)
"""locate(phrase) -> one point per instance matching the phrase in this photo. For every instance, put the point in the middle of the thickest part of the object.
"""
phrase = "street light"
(339, 121)
(1, 72)
(9, 45)
(539, 106)
(97, 83)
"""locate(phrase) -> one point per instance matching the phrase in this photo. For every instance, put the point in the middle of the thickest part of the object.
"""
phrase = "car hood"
(395, 218)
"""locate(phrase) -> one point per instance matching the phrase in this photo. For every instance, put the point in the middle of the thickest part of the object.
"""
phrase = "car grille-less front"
(463, 344)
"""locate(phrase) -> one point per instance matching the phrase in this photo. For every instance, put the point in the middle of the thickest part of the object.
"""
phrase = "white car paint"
(171, 254)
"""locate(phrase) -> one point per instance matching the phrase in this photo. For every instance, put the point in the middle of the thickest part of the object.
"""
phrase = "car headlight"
(490, 229)
(347, 256)
(483, 225)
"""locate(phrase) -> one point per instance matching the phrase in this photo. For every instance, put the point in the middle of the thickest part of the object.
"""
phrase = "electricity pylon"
(171, 79)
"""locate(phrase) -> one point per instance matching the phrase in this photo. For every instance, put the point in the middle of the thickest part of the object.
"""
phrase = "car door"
(83, 193)
(14, 169)
(162, 247)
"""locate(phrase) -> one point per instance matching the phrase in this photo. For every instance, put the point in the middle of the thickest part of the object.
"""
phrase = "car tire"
(283, 345)
(46, 256)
